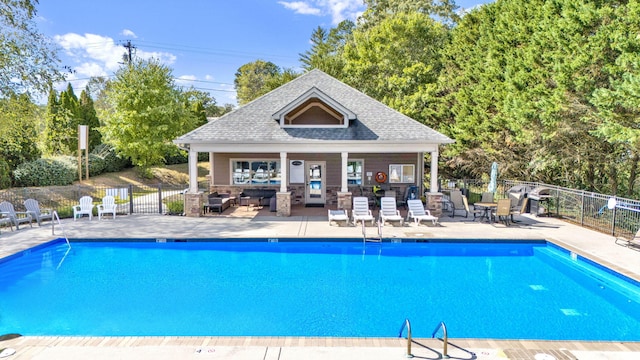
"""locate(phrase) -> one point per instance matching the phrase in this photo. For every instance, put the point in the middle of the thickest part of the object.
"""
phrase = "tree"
(27, 56)
(378, 10)
(146, 111)
(397, 61)
(19, 130)
(63, 115)
(251, 79)
(327, 49)
(87, 116)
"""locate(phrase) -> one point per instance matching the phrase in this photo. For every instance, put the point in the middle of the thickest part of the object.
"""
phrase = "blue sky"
(203, 41)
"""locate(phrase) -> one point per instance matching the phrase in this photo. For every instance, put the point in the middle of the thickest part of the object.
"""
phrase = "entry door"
(316, 192)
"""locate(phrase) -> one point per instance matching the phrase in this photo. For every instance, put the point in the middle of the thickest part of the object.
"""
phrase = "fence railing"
(131, 199)
(585, 208)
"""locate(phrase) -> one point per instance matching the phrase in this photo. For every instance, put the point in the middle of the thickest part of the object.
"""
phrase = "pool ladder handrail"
(444, 338)
(407, 324)
(364, 234)
(54, 216)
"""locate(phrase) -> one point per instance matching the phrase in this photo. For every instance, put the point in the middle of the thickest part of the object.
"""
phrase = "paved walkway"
(312, 223)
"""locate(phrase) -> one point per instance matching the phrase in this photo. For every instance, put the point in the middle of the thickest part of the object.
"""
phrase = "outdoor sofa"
(218, 202)
(264, 196)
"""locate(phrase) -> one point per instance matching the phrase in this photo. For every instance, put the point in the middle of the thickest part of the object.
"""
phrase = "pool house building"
(314, 141)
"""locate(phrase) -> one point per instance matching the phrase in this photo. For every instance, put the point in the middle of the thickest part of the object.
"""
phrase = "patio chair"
(16, 217)
(457, 203)
(84, 208)
(418, 213)
(108, 206)
(503, 211)
(388, 211)
(33, 208)
(487, 197)
(519, 210)
(361, 211)
(633, 243)
(410, 193)
(477, 211)
(338, 215)
(4, 219)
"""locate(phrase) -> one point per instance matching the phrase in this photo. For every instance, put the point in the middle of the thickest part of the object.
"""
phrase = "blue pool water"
(501, 290)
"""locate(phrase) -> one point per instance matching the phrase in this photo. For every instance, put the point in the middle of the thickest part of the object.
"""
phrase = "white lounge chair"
(338, 215)
(108, 206)
(84, 208)
(418, 213)
(16, 217)
(361, 211)
(33, 208)
(388, 210)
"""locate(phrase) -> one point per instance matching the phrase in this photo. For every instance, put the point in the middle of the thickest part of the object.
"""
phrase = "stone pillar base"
(193, 204)
(283, 204)
(434, 203)
(344, 200)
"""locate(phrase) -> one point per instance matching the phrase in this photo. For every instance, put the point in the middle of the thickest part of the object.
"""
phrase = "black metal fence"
(587, 209)
(584, 208)
(131, 199)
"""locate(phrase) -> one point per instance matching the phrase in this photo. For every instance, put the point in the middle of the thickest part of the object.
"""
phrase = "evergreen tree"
(87, 116)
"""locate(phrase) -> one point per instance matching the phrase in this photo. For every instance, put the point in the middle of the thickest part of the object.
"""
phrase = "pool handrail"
(407, 324)
(54, 216)
(364, 234)
(444, 338)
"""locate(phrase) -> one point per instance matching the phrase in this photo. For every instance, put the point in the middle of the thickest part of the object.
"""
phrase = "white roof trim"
(314, 92)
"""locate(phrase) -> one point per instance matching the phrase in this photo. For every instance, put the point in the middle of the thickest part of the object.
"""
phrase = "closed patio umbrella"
(493, 183)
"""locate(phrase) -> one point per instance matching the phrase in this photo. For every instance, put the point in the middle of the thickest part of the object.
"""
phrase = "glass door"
(316, 192)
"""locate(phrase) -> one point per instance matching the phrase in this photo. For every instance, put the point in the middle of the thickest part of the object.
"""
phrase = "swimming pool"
(501, 290)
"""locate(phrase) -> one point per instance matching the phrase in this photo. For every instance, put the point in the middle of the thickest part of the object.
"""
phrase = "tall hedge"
(46, 172)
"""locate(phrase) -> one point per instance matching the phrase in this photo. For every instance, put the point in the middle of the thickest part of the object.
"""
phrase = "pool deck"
(312, 223)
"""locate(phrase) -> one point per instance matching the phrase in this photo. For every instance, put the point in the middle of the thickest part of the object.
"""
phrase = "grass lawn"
(170, 174)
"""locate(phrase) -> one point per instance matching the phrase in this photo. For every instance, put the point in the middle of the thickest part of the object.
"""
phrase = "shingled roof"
(254, 122)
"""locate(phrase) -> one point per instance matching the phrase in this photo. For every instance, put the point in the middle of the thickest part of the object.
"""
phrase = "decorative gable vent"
(314, 109)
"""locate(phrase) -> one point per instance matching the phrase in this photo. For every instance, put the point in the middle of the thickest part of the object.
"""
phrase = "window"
(255, 172)
(401, 173)
(354, 171)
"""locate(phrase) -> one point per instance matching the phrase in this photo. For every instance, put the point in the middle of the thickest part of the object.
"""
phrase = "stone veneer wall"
(344, 200)
(434, 203)
(283, 204)
(193, 204)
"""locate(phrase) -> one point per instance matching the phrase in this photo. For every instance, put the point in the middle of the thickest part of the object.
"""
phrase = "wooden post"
(83, 139)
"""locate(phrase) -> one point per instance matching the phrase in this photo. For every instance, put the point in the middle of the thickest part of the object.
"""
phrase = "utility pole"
(128, 56)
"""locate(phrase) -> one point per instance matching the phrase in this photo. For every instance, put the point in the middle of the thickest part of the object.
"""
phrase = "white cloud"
(128, 33)
(338, 9)
(93, 54)
(300, 7)
(185, 80)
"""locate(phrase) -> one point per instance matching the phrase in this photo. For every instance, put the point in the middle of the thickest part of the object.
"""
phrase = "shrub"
(112, 161)
(175, 207)
(97, 165)
(5, 175)
(46, 172)
(178, 156)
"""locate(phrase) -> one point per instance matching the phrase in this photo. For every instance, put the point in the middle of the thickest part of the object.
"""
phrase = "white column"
(283, 172)
(434, 172)
(211, 171)
(193, 171)
(343, 183)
